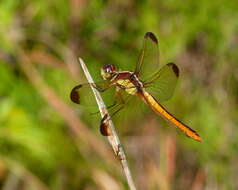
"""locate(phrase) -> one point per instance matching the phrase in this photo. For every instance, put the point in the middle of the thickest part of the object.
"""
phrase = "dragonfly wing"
(162, 84)
(75, 92)
(149, 56)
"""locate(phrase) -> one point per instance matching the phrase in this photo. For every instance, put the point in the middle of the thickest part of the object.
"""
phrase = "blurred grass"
(37, 138)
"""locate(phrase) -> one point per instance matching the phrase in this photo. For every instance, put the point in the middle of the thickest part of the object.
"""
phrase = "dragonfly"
(162, 83)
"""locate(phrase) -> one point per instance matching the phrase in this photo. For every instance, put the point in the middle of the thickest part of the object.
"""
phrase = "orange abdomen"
(152, 102)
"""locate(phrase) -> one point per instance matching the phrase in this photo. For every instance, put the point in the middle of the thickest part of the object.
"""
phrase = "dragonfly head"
(108, 71)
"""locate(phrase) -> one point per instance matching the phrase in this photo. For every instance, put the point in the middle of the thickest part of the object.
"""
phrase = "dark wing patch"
(162, 84)
(75, 92)
(149, 56)
(151, 36)
(175, 68)
(104, 127)
(74, 95)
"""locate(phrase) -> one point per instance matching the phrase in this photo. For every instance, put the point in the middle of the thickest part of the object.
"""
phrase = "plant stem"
(113, 139)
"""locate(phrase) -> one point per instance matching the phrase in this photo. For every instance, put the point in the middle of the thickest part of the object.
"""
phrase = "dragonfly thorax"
(108, 71)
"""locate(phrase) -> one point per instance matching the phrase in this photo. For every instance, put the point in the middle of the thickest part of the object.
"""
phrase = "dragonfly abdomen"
(152, 102)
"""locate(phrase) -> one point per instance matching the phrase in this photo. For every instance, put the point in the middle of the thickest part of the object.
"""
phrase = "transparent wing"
(162, 84)
(149, 57)
(76, 92)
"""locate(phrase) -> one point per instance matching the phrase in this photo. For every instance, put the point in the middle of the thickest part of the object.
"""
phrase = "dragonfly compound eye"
(109, 68)
(107, 71)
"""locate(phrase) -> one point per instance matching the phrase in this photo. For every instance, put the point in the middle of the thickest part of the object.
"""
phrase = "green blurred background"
(47, 142)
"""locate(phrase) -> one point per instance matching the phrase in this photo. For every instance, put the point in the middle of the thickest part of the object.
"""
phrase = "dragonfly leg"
(100, 89)
(104, 128)
(107, 107)
(118, 100)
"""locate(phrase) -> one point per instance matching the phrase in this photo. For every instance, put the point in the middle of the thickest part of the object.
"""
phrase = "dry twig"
(113, 138)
